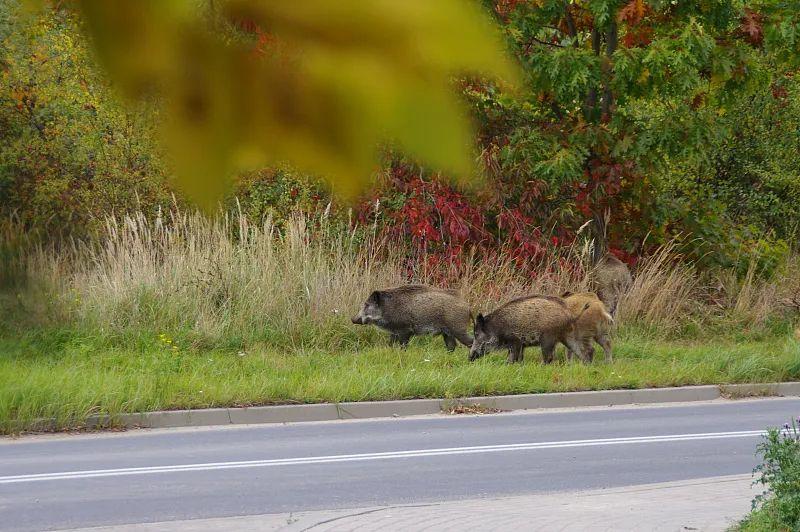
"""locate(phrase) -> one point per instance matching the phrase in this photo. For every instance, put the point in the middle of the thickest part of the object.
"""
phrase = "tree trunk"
(590, 104)
(611, 47)
(571, 28)
(599, 233)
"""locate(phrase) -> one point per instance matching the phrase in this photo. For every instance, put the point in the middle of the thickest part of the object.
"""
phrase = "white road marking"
(415, 453)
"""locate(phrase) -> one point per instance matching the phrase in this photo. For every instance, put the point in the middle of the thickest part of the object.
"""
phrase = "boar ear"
(375, 297)
(480, 321)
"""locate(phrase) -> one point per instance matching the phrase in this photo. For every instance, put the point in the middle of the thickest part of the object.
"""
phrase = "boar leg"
(548, 349)
(575, 346)
(401, 338)
(588, 350)
(515, 352)
(449, 341)
(605, 343)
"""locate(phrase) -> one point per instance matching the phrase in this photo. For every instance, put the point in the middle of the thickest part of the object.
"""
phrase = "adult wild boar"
(523, 322)
(416, 309)
(594, 324)
(611, 279)
(609, 276)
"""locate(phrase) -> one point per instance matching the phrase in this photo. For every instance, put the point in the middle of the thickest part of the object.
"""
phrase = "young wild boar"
(417, 309)
(594, 324)
(611, 278)
(524, 322)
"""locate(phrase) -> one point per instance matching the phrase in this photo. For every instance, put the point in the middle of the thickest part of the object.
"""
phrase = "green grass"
(759, 521)
(765, 519)
(67, 376)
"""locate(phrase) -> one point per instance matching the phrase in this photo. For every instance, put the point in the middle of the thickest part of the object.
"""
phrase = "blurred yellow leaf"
(360, 72)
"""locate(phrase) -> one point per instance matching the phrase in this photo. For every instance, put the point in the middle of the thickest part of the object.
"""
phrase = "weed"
(778, 507)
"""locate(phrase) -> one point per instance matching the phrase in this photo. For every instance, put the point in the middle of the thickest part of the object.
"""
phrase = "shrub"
(69, 152)
(740, 203)
(278, 194)
(778, 508)
(754, 171)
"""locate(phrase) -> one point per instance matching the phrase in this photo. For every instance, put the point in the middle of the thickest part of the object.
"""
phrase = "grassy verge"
(155, 313)
(67, 376)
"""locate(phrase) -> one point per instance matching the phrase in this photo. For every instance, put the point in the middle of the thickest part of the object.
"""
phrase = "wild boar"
(594, 324)
(415, 309)
(523, 322)
(611, 279)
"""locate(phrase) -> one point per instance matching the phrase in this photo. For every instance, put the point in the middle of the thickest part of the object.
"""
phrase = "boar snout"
(475, 354)
(357, 320)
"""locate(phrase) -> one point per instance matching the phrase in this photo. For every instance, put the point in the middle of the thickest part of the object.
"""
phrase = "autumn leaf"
(633, 12)
(641, 35)
(751, 27)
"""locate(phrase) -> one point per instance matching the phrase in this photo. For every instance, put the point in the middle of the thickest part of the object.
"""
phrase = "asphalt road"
(150, 476)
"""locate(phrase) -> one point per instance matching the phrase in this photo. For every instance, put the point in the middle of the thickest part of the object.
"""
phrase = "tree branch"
(535, 40)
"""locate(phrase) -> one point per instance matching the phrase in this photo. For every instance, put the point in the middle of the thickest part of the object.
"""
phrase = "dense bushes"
(277, 194)
(741, 202)
(754, 171)
(69, 152)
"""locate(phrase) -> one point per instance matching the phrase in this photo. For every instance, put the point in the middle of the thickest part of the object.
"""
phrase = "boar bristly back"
(410, 310)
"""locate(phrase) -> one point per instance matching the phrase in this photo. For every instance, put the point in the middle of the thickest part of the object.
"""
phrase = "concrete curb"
(416, 407)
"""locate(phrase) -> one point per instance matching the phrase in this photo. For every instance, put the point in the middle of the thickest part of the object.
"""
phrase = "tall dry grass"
(213, 279)
(226, 281)
(663, 292)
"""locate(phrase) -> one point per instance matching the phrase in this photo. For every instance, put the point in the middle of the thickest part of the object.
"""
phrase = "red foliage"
(524, 243)
(433, 215)
(444, 226)
(779, 92)
(751, 27)
(633, 12)
(604, 181)
(605, 188)
(639, 32)
(637, 36)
